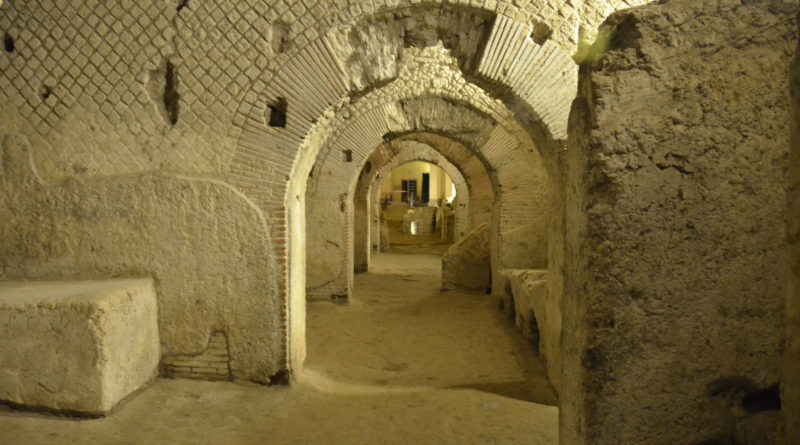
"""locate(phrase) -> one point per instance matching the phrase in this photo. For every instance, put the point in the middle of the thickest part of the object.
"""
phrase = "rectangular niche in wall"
(277, 113)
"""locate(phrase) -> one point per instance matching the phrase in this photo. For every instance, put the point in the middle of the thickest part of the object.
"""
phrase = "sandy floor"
(400, 330)
(401, 363)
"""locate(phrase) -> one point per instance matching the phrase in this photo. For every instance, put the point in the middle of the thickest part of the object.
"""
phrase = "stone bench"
(77, 347)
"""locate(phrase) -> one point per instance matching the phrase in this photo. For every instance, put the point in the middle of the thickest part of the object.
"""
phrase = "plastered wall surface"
(675, 240)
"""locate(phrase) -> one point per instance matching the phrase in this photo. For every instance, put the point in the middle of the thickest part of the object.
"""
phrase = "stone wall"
(675, 238)
(790, 387)
(122, 92)
(203, 243)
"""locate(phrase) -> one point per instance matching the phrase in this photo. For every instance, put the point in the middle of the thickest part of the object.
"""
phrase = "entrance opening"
(418, 220)
(399, 329)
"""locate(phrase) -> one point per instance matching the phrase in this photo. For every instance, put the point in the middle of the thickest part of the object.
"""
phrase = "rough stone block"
(465, 265)
(77, 346)
(675, 272)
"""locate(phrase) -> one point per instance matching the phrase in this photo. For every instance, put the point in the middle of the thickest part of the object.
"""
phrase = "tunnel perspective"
(502, 230)
(418, 205)
(630, 181)
(393, 328)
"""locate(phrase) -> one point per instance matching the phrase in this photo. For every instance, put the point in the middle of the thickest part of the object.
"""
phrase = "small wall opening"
(541, 33)
(347, 155)
(277, 113)
(46, 92)
(8, 43)
(171, 97)
(765, 399)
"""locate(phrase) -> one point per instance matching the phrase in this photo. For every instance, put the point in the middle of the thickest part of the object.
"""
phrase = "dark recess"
(766, 399)
(541, 33)
(347, 155)
(46, 92)
(339, 299)
(8, 43)
(171, 96)
(277, 113)
(182, 4)
(282, 377)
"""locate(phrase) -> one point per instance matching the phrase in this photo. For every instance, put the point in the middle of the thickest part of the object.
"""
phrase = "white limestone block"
(78, 346)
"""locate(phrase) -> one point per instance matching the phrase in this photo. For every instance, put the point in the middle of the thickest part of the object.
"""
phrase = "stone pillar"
(791, 382)
(361, 240)
(674, 303)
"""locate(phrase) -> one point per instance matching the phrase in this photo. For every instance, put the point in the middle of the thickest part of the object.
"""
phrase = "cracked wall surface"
(675, 238)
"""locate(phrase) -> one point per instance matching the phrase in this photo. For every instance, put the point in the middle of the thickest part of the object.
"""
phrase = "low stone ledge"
(78, 347)
(536, 315)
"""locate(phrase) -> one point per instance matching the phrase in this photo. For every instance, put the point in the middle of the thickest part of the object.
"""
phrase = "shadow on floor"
(521, 390)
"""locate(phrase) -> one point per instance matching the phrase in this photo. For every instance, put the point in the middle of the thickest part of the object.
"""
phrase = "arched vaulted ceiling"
(317, 80)
(236, 61)
(429, 94)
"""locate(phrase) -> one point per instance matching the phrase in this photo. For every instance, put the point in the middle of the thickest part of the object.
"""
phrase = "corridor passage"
(400, 330)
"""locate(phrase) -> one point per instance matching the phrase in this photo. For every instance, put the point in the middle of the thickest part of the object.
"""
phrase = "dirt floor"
(401, 363)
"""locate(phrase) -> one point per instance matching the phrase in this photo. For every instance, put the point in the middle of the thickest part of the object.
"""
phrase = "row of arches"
(496, 111)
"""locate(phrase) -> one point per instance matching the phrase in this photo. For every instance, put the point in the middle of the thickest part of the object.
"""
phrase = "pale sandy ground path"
(400, 364)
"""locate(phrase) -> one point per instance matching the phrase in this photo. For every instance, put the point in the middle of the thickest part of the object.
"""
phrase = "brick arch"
(480, 183)
(274, 156)
(313, 78)
(432, 155)
(381, 162)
